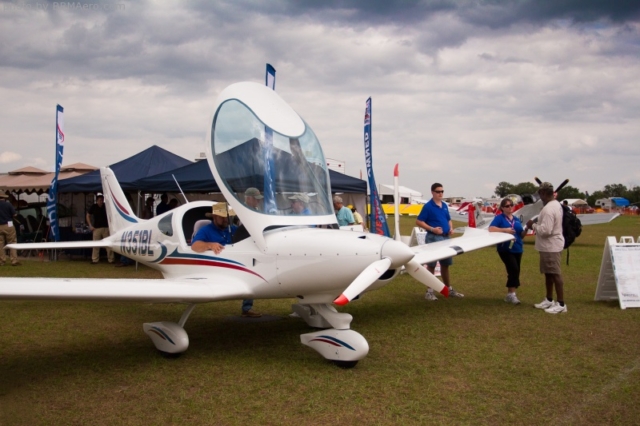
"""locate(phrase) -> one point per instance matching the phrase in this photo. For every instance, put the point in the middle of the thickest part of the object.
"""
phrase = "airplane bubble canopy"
(282, 159)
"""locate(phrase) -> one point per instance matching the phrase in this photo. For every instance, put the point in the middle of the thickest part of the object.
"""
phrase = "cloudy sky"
(467, 93)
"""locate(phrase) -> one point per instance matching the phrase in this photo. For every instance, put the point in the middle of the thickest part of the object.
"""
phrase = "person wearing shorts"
(550, 243)
(435, 219)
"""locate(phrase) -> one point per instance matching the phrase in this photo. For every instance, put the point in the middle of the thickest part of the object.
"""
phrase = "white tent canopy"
(575, 202)
(411, 195)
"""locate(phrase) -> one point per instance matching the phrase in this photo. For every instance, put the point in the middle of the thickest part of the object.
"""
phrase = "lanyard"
(511, 222)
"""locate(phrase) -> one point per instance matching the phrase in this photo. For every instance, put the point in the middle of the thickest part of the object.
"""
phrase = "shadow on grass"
(213, 339)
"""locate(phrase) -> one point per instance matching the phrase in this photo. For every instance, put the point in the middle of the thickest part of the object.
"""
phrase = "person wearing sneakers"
(510, 252)
(214, 236)
(435, 219)
(7, 230)
(550, 243)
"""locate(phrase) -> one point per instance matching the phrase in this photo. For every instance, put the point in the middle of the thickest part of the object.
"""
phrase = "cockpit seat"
(199, 224)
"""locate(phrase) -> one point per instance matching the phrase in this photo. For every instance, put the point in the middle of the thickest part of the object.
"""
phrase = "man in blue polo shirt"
(435, 219)
(214, 237)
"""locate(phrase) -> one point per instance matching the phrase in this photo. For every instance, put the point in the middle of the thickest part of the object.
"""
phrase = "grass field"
(475, 361)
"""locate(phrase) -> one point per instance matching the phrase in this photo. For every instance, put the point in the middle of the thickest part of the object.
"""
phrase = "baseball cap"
(546, 185)
(3, 194)
(300, 197)
(253, 192)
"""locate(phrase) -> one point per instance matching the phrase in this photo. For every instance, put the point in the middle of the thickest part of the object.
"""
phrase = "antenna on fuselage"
(176, 180)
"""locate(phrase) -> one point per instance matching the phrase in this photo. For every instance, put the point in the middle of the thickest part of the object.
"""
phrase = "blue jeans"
(432, 238)
(247, 304)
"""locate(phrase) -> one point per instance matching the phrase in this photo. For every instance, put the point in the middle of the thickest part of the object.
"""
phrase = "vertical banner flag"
(377, 218)
(52, 199)
(269, 172)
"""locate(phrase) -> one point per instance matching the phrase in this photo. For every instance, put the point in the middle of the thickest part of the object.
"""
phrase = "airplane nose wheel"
(345, 364)
(169, 355)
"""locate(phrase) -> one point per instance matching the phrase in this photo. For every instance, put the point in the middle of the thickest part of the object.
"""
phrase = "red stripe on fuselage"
(113, 197)
(200, 262)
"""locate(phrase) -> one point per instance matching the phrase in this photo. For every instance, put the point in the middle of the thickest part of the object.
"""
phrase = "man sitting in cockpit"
(215, 236)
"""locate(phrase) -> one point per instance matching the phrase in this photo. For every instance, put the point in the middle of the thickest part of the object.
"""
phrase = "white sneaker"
(545, 304)
(430, 296)
(556, 309)
(512, 298)
(453, 293)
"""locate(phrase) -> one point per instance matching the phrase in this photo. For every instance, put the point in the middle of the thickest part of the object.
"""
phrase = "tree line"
(611, 190)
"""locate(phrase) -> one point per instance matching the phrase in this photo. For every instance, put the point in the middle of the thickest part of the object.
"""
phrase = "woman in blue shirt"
(510, 252)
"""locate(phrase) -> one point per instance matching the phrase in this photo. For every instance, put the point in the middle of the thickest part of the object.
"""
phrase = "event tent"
(38, 181)
(197, 177)
(149, 162)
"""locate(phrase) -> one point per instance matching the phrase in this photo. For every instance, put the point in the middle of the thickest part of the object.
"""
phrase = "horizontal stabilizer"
(63, 245)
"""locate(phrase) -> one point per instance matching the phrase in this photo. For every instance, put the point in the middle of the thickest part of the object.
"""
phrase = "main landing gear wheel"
(345, 364)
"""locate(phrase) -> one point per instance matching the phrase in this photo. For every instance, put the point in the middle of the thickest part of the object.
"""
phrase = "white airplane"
(526, 207)
(257, 140)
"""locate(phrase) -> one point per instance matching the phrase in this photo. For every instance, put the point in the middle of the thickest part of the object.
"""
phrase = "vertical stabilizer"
(476, 218)
(119, 210)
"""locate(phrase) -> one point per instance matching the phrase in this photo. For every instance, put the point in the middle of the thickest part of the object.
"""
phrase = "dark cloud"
(492, 13)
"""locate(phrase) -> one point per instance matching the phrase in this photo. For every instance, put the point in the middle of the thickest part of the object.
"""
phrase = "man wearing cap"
(550, 243)
(343, 214)
(7, 230)
(98, 223)
(214, 237)
(252, 198)
(299, 203)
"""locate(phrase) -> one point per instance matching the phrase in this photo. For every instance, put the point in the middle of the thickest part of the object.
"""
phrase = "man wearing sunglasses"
(435, 219)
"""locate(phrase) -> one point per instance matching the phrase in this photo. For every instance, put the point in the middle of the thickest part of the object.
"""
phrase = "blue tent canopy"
(149, 162)
(620, 202)
(197, 177)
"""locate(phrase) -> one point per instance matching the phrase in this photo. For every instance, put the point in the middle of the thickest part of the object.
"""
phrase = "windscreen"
(269, 172)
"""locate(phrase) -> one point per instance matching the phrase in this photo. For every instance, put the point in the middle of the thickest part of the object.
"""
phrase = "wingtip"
(445, 291)
(341, 301)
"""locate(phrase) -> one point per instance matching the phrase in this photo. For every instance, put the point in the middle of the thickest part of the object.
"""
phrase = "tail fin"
(119, 210)
(475, 217)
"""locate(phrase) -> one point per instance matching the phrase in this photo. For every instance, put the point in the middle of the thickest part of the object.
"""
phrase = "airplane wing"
(597, 218)
(62, 245)
(472, 239)
(136, 290)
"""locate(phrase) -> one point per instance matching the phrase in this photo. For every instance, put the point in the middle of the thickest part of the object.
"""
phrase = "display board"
(417, 236)
(620, 272)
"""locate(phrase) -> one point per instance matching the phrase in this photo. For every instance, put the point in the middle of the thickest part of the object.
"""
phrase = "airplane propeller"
(422, 274)
(367, 277)
(394, 253)
(562, 185)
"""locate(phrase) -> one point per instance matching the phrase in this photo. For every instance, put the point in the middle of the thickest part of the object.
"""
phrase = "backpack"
(571, 227)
